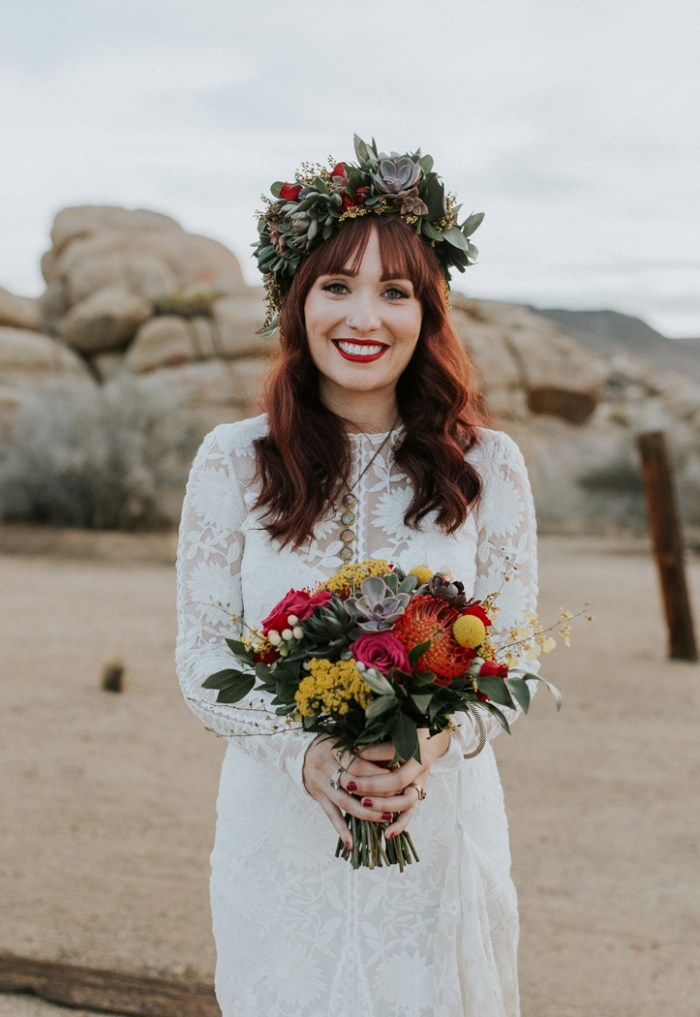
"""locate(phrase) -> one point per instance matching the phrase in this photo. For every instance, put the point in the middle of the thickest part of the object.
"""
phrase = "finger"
(373, 811)
(380, 783)
(382, 752)
(400, 823)
(337, 821)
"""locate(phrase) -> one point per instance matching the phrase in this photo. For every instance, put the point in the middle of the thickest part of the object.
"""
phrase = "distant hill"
(604, 332)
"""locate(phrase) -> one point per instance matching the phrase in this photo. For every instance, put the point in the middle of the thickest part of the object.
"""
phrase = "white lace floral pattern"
(298, 932)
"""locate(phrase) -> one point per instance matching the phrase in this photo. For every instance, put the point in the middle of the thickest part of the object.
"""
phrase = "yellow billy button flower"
(469, 631)
(422, 574)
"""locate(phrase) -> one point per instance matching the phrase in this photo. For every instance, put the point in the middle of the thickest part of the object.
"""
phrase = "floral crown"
(304, 214)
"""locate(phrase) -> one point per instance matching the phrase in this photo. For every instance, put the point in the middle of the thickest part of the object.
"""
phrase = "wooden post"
(668, 544)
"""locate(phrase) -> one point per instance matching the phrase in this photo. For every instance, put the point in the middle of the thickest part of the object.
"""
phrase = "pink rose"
(381, 650)
(297, 602)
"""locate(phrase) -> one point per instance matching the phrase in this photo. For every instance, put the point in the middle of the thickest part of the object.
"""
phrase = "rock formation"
(134, 303)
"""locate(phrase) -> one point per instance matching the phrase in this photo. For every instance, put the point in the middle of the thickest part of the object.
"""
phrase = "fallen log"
(106, 991)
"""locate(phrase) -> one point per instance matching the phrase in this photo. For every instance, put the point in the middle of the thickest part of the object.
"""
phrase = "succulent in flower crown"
(304, 214)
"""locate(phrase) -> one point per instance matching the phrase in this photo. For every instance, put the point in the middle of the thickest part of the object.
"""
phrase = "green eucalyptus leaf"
(456, 238)
(426, 163)
(379, 706)
(472, 223)
(361, 150)
(276, 188)
(430, 231)
(378, 683)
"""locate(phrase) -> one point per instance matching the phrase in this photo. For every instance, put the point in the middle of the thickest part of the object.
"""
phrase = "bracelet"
(476, 713)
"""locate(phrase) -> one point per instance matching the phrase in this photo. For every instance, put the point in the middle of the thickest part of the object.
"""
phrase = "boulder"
(83, 220)
(32, 364)
(18, 312)
(132, 261)
(169, 340)
(30, 358)
(212, 391)
(560, 378)
(145, 252)
(106, 320)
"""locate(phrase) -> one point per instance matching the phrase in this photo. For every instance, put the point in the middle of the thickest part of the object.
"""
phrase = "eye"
(396, 293)
(336, 288)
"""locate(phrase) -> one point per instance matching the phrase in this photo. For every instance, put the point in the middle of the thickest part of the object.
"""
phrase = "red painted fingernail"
(388, 835)
(386, 815)
(348, 845)
(351, 785)
(368, 803)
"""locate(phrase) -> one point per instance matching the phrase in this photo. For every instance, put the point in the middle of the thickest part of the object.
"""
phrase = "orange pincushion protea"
(429, 618)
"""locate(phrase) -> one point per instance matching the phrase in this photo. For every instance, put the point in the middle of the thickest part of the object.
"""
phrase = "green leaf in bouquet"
(422, 701)
(286, 709)
(552, 688)
(497, 691)
(417, 651)
(378, 683)
(221, 679)
(237, 690)
(420, 678)
(520, 691)
(286, 690)
(379, 706)
(498, 714)
(241, 650)
(263, 672)
(404, 735)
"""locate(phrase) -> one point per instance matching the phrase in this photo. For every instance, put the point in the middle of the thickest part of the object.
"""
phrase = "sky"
(574, 126)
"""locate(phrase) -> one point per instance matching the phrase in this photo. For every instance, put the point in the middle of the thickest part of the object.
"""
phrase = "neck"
(368, 412)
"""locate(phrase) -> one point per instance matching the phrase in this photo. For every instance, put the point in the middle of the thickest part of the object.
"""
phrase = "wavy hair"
(304, 462)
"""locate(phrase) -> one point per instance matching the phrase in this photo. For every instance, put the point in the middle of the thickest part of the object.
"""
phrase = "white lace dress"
(298, 932)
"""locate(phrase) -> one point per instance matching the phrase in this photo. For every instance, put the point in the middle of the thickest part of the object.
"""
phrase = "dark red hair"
(304, 462)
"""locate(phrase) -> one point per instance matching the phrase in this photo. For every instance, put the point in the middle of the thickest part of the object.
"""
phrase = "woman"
(369, 449)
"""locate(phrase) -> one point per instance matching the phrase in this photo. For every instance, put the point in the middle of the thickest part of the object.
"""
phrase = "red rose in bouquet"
(298, 603)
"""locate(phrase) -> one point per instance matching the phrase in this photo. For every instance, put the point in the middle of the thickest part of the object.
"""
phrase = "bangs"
(403, 254)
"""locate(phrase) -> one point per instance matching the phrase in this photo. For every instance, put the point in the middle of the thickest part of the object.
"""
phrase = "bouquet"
(372, 655)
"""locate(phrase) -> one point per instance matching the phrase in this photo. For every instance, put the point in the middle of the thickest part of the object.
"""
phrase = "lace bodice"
(228, 565)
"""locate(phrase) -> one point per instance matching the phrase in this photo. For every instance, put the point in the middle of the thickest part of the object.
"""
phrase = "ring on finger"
(334, 781)
(422, 795)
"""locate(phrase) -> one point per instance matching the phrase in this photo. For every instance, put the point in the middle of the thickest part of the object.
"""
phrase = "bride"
(371, 447)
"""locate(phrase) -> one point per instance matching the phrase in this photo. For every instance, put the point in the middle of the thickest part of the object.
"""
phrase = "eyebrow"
(384, 278)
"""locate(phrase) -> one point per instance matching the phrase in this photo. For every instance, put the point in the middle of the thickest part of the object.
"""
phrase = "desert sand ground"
(108, 800)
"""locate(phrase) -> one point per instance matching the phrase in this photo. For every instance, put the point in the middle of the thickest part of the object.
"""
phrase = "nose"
(363, 314)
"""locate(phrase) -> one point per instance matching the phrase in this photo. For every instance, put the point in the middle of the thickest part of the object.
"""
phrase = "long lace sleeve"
(506, 556)
(210, 550)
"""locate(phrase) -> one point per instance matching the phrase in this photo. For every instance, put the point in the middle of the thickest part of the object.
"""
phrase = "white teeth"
(360, 350)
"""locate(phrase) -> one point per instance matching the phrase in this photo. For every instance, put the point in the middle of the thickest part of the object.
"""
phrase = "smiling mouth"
(360, 350)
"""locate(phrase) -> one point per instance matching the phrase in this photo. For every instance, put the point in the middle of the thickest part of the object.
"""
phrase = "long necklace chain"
(348, 518)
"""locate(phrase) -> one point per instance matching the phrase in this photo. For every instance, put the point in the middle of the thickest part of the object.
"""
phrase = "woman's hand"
(368, 789)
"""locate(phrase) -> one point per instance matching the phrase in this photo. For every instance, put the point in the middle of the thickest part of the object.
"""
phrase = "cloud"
(572, 126)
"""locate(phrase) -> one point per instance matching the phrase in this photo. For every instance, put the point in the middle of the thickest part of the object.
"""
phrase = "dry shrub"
(100, 459)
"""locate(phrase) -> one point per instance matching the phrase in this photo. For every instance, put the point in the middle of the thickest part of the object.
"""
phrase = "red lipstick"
(359, 358)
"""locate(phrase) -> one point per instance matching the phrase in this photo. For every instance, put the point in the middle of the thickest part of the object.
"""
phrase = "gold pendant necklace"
(349, 501)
